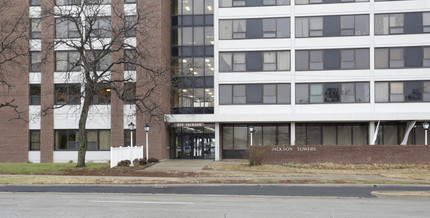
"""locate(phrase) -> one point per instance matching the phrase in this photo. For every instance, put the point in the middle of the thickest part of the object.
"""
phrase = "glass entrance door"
(195, 146)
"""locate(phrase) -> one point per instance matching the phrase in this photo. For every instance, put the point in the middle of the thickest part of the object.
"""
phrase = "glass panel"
(283, 60)
(362, 93)
(301, 135)
(254, 94)
(302, 60)
(332, 92)
(283, 28)
(396, 23)
(381, 92)
(315, 26)
(390, 135)
(227, 137)
(348, 92)
(239, 29)
(362, 59)
(269, 28)
(359, 135)
(329, 135)
(209, 6)
(396, 91)
(239, 96)
(239, 61)
(381, 58)
(347, 25)
(347, 59)
(240, 137)
(209, 35)
(381, 24)
(316, 60)
(283, 135)
(426, 58)
(269, 135)
(316, 93)
(302, 93)
(225, 62)
(269, 61)
(344, 135)
(361, 25)
(34, 140)
(426, 95)
(284, 93)
(313, 135)
(209, 66)
(396, 58)
(269, 94)
(302, 27)
(413, 91)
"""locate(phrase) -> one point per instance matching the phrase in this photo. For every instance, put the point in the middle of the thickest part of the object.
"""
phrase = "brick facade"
(346, 154)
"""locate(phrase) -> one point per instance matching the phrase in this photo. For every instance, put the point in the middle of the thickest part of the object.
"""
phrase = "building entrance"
(192, 142)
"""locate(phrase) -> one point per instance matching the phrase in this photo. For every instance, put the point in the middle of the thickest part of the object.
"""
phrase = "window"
(67, 93)
(332, 59)
(34, 94)
(36, 30)
(67, 2)
(129, 94)
(247, 3)
(426, 22)
(67, 28)
(127, 137)
(35, 2)
(351, 25)
(69, 139)
(66, 61)
(255, 61)
(35, 61)
(389, 24)
(426, 57)
(261, 28)
(255, 94)
(98, 60)
(332, 93)
(130, 59)
(98, 27)
(34, 140)
(97, 2)
(102, 95)
(306, 2)
(129, 1)
(332, 134)
(402, 57)
(397, 58)
(410, 91)
(130, 25)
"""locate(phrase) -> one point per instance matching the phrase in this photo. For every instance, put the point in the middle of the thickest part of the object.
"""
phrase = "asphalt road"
(207, 206)
(362, 191)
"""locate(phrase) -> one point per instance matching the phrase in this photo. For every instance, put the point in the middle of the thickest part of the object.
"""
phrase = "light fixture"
(146, 128)
(426, 125)
(131, 126)
(108, 90)
(187, 8)
(210, 8)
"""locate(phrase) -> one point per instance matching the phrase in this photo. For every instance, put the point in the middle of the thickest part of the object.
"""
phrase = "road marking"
(144, 202)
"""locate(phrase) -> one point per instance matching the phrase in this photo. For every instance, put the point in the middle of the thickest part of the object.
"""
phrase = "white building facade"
(312, 72)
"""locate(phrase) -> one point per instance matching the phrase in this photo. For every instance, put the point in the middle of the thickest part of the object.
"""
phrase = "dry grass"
(400, 171)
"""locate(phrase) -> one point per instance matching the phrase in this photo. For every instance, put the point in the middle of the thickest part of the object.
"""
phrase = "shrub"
(255, 155)
(153, 160)
(124, 163)
(139, 161)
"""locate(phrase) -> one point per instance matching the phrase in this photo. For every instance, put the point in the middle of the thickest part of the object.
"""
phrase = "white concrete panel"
(130, 76)
(130, 9)
(35, 45)
(252, 12)
(402, 74)
(129, 114)
(402, 6)
(254, 44)
(67, 77)
(402, 40)
(91, 156)
(131, 42)
(254, 111)
(34, 156)
(35, 78)
(332, 42)
(35, 11)
(332, 76)
(34, 116)
(67, 117)
(332, 9)
(255, 77)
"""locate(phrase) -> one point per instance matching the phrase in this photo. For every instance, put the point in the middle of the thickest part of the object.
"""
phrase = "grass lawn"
(45, 168)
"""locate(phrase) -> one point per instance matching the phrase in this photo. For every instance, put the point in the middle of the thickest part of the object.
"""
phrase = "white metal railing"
(118, 154)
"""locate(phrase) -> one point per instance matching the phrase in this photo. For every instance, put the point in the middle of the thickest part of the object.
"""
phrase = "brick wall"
(13, 126)
(347, 154)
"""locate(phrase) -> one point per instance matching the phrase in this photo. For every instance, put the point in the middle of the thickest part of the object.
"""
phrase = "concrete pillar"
(371, 132)
(218, 148)
(293, 133)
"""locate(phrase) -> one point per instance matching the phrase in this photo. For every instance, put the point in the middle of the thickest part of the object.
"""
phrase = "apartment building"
(244, 72)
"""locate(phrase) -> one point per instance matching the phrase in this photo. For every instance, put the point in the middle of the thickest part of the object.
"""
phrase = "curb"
(402, 194)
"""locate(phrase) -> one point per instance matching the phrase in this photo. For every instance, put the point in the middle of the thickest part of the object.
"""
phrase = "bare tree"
(98, 35)
(13, 30)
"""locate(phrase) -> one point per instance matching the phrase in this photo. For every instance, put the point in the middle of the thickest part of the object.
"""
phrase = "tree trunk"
(88, 97)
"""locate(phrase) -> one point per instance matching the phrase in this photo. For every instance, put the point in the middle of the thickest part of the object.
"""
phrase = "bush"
(153, 160)
(124, 163)
(139, 161)
(255, 155)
